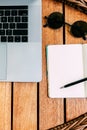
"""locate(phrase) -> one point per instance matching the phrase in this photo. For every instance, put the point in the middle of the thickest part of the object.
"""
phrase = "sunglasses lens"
(79, 29)
(55, 20)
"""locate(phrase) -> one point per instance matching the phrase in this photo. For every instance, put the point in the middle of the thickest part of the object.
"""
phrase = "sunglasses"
(56, 20)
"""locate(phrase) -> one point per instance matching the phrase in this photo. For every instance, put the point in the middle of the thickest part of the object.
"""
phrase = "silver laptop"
(20, 40)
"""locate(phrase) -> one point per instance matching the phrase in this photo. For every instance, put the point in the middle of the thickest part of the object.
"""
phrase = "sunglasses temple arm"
(45, 25)
(68, 24)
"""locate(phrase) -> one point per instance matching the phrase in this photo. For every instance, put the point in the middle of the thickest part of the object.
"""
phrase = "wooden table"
(26, 106)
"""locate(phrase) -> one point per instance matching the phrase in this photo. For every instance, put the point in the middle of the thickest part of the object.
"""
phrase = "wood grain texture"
(51, 110)
(76, 106)
(5, 106)
(25, 106)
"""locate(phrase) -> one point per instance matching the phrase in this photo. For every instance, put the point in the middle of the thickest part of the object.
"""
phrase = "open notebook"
(66, 64)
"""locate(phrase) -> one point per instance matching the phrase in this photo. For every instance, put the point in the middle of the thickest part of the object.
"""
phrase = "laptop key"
(8, 32)
(3, 38)
(10, 19)
(23, 12)
(17, 38)
(14, 12)
(1, 13)
(10, 38)
(20, 32)
(24, 39)
(24, 19)
(14, 7)
(0, 25)
(7, 13)
(12, 25)
(2, 32)
(5, 25)
(22, 25)
(17, 19)
(3, 19)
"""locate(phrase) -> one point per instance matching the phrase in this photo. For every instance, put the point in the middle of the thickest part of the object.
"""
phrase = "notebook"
(66, 64)
(20, 40)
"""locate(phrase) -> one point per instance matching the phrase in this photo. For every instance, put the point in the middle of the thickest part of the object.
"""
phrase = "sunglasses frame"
(56, 20)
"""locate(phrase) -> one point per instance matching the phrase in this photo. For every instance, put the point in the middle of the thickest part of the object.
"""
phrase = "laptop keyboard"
(13, 23)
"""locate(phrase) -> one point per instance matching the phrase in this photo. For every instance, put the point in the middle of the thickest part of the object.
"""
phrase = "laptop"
(20, 41)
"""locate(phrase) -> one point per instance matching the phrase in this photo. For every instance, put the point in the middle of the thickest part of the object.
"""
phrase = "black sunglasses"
(56, 20)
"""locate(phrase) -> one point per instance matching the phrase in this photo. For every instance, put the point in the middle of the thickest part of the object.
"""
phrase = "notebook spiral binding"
(79, 123)
(80, 5)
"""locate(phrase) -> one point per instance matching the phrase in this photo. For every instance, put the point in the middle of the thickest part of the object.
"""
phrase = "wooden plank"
(5, 106)
(51, 110)
(76, 106)
(25, 106)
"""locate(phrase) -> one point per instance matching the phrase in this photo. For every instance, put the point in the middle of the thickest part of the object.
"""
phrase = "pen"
(73, 83)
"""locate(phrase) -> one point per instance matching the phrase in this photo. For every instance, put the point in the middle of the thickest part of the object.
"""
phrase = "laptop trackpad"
(3, 61)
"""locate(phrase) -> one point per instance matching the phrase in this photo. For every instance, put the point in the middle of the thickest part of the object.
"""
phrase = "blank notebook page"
(65, 65)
